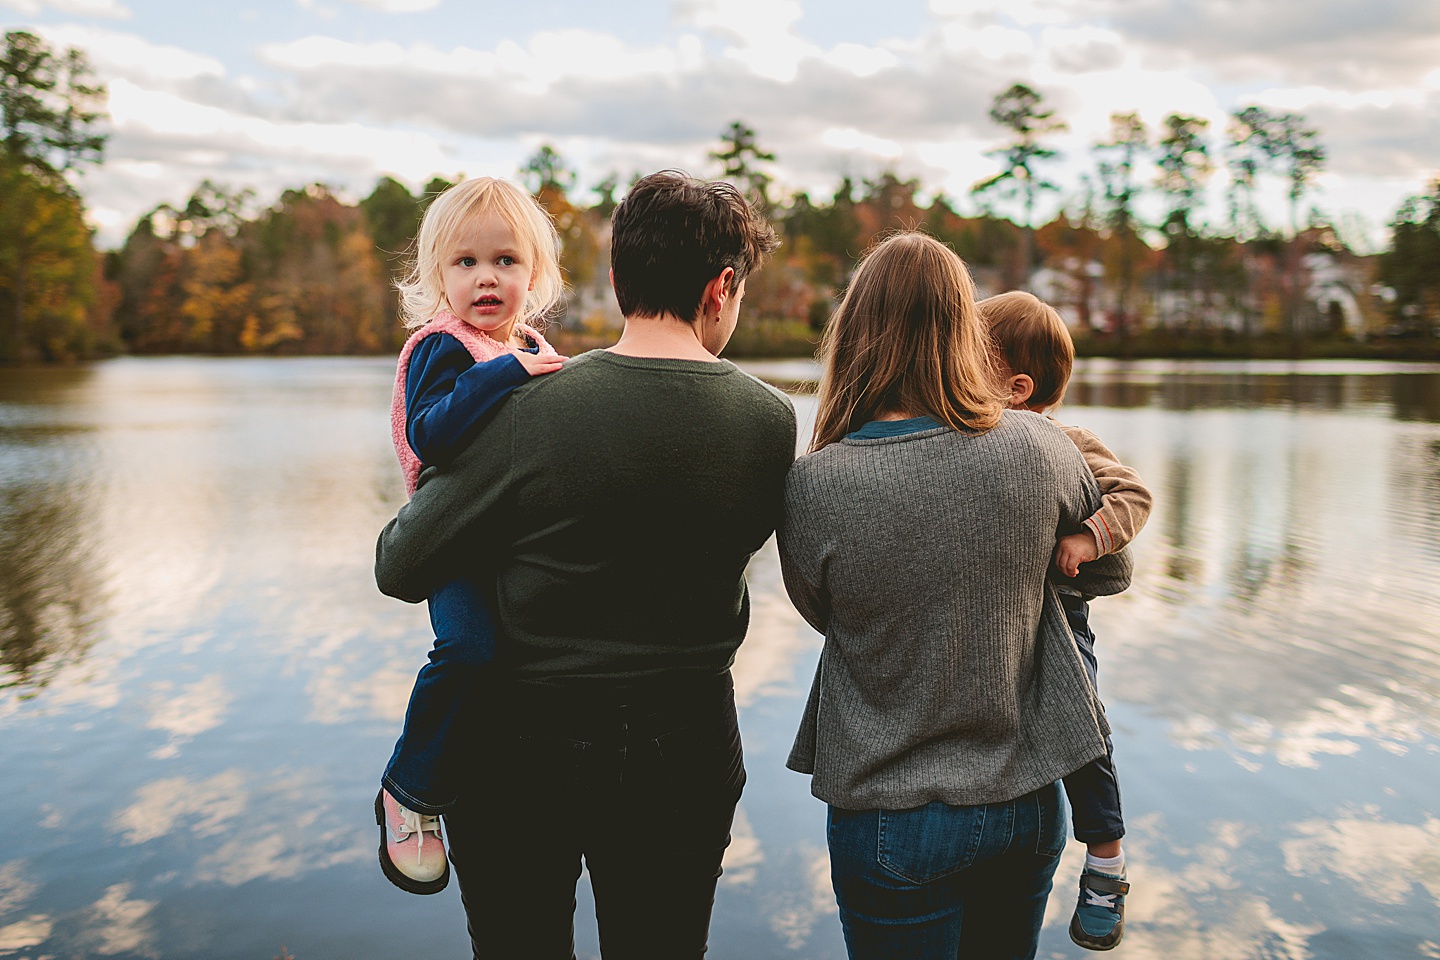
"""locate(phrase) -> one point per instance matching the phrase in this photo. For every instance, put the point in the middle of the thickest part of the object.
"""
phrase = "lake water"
(199, 683)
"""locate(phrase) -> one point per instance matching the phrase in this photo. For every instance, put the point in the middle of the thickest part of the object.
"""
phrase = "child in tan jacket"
(1037, 354)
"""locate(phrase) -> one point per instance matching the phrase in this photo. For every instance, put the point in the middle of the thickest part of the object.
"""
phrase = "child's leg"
(420, 773)
(1094, 791)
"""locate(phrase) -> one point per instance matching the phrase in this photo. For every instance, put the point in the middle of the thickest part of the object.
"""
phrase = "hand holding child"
(535, 364)
(1073, 550)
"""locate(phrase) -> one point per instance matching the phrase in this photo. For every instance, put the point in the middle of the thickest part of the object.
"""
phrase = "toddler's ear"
(1022, 388)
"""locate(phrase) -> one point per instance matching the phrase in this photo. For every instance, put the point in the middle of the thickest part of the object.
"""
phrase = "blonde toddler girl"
(486, 269)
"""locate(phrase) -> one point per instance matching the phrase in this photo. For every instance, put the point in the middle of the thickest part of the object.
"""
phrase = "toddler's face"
(486, 275)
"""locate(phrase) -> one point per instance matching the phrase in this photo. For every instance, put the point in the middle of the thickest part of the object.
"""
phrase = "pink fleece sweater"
(481, 346)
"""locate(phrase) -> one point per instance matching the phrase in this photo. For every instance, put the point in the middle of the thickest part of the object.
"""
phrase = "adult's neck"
(665, 336)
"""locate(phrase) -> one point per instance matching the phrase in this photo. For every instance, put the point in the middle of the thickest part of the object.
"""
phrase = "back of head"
(906, 338)
(673, 234)
(1030, 338)
(422, 292)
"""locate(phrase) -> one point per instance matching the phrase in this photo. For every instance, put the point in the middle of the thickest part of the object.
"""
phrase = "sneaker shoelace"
(1093, 899)
(418, 823)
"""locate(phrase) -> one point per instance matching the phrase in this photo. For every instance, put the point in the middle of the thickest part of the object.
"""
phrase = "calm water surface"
(199, 683)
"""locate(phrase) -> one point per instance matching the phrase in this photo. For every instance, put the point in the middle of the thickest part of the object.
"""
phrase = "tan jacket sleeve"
(1125, 501)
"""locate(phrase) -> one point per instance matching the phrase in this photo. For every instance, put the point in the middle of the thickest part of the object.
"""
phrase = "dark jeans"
(642, 787)
(940, 882)
(423, 772)
(1094, 789)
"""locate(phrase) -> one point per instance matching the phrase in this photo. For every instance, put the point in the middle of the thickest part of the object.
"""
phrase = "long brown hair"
(907, 338)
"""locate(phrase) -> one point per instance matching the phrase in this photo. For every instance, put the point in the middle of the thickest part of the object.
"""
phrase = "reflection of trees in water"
(48, 585)
(48, 580)
(1415, 491)
(1182, 564)
(1418, 398)
(1250, 570)
(1410, 396)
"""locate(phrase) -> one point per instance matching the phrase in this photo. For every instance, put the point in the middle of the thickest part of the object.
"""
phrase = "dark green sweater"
(613, 506)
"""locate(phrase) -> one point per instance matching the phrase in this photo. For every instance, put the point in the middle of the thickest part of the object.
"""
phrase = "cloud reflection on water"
(1385, 862)
(118, 923)
(186, 712)
(273, 826)
(207, 805)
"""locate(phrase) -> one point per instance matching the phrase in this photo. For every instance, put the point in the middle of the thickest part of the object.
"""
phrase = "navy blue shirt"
(447, 394)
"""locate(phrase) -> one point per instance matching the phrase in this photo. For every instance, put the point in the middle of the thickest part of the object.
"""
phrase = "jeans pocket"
(704, 757)
(1050, 821)
(929, 842)
(541, 766)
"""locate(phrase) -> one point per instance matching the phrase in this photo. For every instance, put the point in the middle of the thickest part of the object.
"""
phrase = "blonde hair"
(422, 292)
(906, 339)
(1030, 338)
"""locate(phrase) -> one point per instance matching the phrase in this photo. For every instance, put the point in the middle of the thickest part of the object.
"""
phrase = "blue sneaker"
(1099, 920)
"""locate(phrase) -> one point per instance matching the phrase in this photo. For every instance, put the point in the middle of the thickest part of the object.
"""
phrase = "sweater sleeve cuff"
(1100, 530)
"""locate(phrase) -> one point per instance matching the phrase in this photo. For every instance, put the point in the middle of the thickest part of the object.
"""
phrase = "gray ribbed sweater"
(948, 671)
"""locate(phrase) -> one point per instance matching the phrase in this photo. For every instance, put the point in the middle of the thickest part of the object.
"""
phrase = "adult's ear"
(717, 294)
(1022, 388)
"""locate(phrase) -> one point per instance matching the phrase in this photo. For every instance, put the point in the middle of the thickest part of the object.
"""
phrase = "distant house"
(1337, 282)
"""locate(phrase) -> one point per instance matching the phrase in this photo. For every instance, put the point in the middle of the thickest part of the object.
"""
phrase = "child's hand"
(1074, 550)
(535, 364)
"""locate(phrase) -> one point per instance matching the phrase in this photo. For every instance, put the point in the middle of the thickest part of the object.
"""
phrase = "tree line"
(313, 274)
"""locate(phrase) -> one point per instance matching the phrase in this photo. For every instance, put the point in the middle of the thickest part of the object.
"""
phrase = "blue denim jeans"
(940, 882)
(1094, 789)
(640, 786)
(422, 772)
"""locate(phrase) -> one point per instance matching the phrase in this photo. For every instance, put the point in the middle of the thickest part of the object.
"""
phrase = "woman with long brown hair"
(949, 698)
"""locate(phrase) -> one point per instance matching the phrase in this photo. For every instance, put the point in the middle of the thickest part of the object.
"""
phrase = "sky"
(277, 94)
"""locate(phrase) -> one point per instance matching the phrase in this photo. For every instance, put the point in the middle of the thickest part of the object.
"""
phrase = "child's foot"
(412, 853)
(1099, 920)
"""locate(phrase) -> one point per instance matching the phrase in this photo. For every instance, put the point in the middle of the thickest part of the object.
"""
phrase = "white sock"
(1112, 866)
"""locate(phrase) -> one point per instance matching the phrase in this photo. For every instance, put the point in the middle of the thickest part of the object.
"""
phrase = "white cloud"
(326, 108)
(991, 41)
(397, 6)
(1082, 49)
(201, 135)
(761, 32)
(109, 9)
(114, 54)
(848, 138)
(860, 60)
(548, 58)
(1023, 12)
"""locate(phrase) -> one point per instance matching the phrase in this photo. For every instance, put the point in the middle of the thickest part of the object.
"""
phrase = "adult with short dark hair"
(610, 514)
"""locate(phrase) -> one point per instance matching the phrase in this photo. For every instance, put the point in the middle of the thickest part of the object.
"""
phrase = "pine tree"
(740, 158)
(1017, 109)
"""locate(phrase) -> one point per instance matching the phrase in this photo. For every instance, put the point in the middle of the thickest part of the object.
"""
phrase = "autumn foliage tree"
(1411, 267)
(55, 303)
